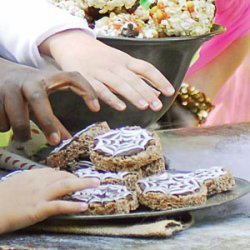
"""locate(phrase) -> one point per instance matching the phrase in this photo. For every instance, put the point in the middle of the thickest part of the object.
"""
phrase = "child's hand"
(24, 89)
(32, 196)
(108, 70)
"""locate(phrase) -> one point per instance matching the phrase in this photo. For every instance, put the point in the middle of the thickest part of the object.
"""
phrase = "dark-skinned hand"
(25, 89)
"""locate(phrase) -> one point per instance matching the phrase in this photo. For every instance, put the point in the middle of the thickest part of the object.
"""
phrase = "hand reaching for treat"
(24, 89)
(108, 70)
(34, 195)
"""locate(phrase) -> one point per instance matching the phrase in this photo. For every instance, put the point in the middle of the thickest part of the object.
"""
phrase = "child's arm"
(69, 41)
(34, 195)
(108, 70)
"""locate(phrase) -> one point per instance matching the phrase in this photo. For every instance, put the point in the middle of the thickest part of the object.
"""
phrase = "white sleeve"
(25, 24)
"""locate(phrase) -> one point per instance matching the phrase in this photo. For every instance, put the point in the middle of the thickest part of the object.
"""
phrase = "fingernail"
(157, 92)
(96, 104)
(121, 105)
(156, 105)
(170, 90)
(54, 138)
(143, 103)
(83, 206)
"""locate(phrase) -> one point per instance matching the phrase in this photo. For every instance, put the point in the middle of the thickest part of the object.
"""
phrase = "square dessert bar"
(127, 149)
(75, 147)
(107, 199)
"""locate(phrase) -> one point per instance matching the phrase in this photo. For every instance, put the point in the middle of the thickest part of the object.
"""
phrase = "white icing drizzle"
(65, 143)
(173, 184)
(102, 194)
(102, 175)
(84, 130)
(62, 145)
(4, 178)
(84, 164)
(124, 141)
(208, 173)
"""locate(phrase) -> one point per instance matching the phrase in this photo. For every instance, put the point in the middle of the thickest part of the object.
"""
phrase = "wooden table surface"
(222, 227)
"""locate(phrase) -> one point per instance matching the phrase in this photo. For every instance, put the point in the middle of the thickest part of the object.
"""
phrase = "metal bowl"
(171, 55)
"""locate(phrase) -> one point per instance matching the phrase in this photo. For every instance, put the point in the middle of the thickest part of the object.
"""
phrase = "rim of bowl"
(216, 30)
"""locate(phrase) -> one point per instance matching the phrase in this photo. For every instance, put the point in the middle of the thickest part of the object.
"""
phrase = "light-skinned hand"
(34, 195)
(108, 70)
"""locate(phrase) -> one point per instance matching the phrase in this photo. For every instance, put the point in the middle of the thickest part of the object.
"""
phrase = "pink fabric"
(232, 103)
(235, 16)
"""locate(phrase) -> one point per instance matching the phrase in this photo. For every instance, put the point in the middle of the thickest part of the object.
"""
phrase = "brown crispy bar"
(167, 191)
(155, 167)
(86, 137)
(66, 152)
(107, 199)
(129, 179)
(78, 146)
(128, 148)
(217, 179)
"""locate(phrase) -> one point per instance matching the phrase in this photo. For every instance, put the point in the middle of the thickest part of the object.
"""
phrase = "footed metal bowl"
(171, 55)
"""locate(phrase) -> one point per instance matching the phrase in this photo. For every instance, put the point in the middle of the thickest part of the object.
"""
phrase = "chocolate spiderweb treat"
(156, 167)
(127, 148)
(75, 147)
(107, 199)
(167, 191)
(217, 179)
(109, 177)
(66, 152)
(86, 136)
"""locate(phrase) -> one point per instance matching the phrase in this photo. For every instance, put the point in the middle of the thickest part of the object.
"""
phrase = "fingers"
(123, 88)
(70, 185)
(64, 133)
(50, 175)
(105, 94)
(61, 207)
(4, 122)
(153, 75)
(147, 92)
(75, 82)
(37, 98)
(18, 114)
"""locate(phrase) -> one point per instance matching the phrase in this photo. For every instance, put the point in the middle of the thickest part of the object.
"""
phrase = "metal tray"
(241, 188)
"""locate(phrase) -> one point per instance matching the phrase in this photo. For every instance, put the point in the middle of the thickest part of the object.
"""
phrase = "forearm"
(5, 67)
(212, 77)
(68, 41)
(37, 20)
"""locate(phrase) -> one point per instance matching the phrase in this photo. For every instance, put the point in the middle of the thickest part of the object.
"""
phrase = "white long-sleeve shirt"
(25, 24)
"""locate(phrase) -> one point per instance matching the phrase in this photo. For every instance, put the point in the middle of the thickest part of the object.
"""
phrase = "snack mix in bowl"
(144, 18)
(165, 33)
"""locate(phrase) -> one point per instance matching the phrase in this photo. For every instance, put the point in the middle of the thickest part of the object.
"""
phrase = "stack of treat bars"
(130, 165)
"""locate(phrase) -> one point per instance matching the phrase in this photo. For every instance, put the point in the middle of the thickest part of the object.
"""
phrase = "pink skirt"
(232, 102)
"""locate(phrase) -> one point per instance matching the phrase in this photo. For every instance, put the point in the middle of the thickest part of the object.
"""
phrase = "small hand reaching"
(108, 70)
(34, 195)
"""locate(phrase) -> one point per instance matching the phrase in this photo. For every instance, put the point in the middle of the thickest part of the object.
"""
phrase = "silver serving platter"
(241, 188)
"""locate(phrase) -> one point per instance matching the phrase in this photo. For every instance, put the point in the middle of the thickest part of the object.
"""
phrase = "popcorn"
(127, 18)
(74, 7)
(105, 6)
(183, 17)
